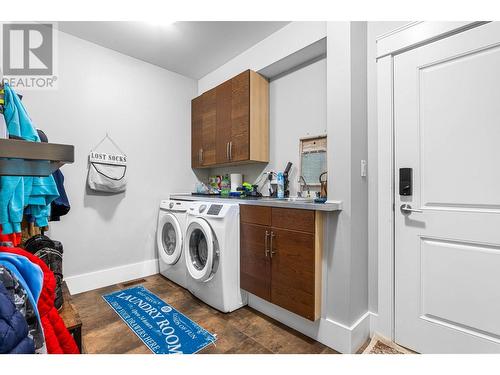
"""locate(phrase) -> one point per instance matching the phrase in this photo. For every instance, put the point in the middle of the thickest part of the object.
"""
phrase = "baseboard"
(373, 323)
(98, 279)
(338, 336)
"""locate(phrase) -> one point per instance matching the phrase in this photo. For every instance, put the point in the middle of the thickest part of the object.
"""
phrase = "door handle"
(266, 251)
(271, 247)
(406, 209)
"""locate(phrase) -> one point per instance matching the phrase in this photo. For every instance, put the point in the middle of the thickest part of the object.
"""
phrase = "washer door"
(201, 250)
(169, 238)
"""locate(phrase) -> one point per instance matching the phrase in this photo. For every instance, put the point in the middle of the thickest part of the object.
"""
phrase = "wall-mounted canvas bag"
(107, 171)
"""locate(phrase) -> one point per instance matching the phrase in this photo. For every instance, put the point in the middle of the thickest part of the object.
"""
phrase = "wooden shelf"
(22, 158)
(71, 318)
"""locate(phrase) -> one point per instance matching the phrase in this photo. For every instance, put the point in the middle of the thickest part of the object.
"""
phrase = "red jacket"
(15, 238)
(57, 337)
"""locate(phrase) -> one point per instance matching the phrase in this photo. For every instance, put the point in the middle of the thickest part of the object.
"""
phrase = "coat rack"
(23, 158)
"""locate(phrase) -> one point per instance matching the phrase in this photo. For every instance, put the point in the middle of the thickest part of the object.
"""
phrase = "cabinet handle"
(271, 247)
(227, 150)
(266, 251)
(201, 155)
(231, 150)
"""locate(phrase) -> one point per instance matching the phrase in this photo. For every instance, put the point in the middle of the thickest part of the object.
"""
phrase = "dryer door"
(201, 252)
(169, 238)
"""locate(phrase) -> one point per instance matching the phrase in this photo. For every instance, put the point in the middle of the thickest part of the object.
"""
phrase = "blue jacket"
(60, 206)
(29, 275)
(13, 327)
(18, 193)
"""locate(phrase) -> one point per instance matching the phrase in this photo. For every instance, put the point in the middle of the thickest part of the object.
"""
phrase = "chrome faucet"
(306, 185)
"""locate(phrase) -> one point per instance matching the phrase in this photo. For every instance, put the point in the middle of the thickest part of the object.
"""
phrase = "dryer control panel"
(214, 209)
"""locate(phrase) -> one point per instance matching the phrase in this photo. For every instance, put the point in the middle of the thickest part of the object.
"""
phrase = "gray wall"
(146, 110)
(347, 133)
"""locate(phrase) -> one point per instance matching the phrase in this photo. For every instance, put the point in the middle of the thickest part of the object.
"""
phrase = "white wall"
(374, 29)
(146, 110)
(289, 39)
(297, 103)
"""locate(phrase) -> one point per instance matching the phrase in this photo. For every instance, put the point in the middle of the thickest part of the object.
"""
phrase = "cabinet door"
(209, 123)
(240, 118)
(196, 131)
(293, 272)
(255, 266)
(224, 127)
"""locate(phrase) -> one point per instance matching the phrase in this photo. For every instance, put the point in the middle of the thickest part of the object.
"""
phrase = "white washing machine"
(170, 240)
(212, 255)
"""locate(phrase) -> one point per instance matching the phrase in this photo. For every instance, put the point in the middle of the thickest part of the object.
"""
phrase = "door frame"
(405, 38)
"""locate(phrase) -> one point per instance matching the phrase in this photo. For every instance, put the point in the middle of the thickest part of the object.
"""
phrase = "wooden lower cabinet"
(255, 267)
(281, 265)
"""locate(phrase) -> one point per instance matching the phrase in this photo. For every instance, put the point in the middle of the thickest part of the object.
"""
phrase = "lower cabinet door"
(255, 265)
(293, 282)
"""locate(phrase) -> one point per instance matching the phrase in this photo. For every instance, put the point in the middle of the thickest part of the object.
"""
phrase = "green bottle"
(225, 187)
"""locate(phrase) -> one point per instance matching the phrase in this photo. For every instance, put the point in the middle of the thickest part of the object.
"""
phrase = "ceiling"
(193, 49)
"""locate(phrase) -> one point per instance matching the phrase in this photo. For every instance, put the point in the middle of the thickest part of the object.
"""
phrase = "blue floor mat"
(162, 328)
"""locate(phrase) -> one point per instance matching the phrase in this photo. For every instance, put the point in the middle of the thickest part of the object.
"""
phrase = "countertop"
(329, 206)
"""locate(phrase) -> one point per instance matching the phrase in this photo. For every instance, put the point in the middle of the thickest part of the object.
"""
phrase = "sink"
(301, 199)
(298, 199)
(291, 199)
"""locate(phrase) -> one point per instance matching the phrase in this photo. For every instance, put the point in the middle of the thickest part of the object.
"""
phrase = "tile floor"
(243, 331)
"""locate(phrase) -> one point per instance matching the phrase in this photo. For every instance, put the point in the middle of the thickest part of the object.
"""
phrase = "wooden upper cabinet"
(196, 131)
(209, 125)
(235, 122)
(224, 125)
(239, 146)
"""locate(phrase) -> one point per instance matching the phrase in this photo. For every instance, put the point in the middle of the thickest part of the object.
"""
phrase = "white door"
(447, 257)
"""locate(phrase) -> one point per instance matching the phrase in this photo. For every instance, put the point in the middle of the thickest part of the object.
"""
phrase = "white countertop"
(329, 206)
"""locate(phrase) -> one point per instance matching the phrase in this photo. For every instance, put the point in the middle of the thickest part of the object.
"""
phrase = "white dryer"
(213, 255)
(170, 240)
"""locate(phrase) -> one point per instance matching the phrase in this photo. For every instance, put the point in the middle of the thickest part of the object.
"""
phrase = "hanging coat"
(16, 193)
(14, 337)
(60, 206)
(57, 337)
(29, 279)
